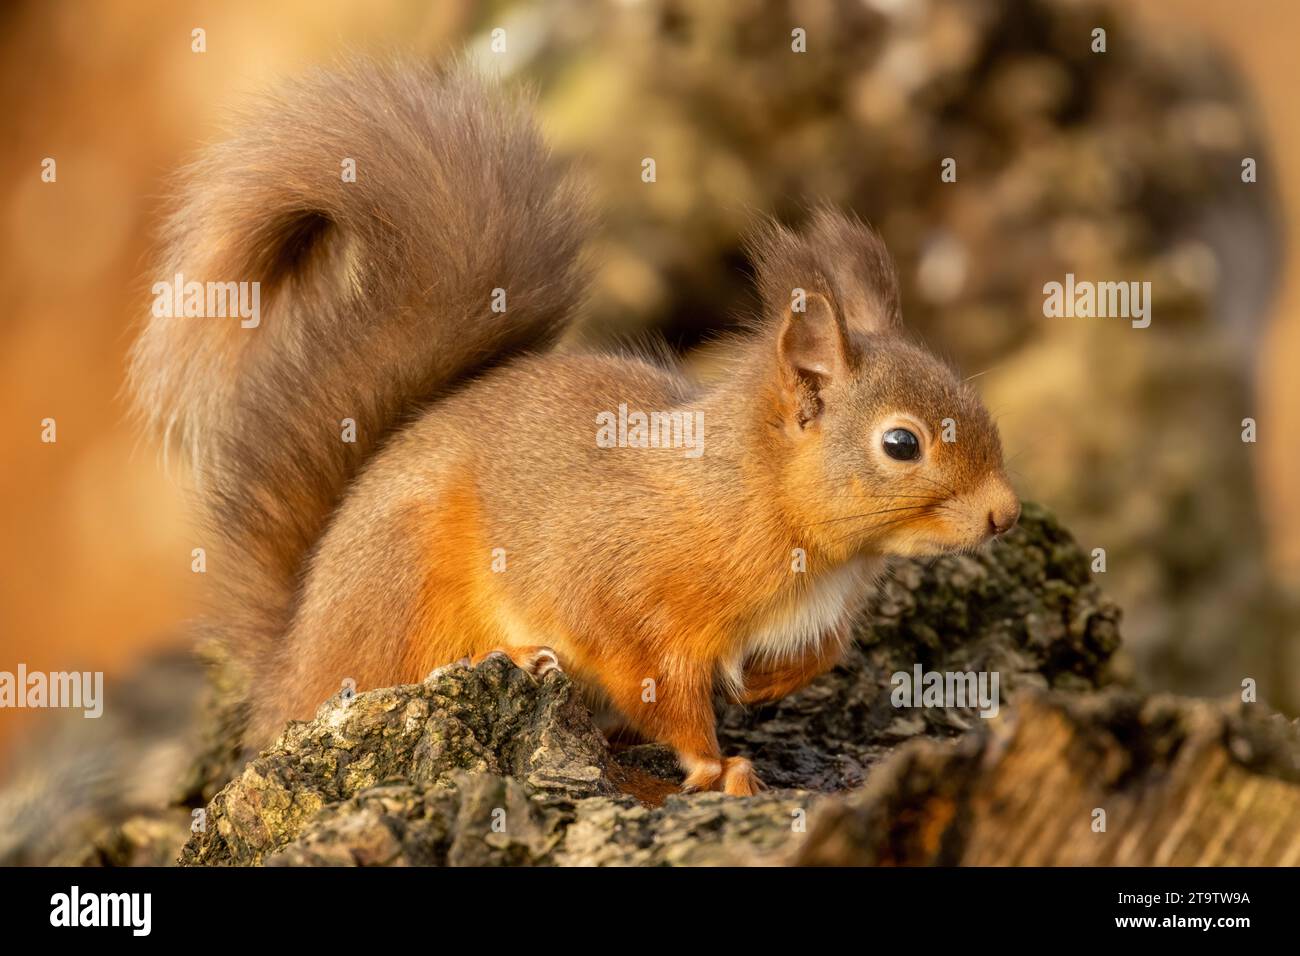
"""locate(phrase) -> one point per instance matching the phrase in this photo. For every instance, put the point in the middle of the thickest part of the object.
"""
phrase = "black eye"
(901, 445)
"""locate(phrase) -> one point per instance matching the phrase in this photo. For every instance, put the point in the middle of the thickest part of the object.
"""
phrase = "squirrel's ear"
(812, 353)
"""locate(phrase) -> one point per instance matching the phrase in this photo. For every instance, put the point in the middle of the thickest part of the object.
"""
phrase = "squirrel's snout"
(1003, 517)
(999, 501)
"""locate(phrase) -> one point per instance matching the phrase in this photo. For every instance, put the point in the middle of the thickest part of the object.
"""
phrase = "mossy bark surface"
(486, 766)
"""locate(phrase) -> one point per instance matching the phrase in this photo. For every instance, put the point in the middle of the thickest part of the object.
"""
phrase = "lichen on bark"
(492, 719)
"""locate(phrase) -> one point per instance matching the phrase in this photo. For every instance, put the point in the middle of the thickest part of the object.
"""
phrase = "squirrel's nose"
(1004, 517)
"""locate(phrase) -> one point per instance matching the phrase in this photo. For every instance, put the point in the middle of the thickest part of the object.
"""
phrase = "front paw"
(738, 778)
(732, 775)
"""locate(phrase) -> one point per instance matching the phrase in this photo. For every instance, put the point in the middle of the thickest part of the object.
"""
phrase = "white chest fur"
(798, 621)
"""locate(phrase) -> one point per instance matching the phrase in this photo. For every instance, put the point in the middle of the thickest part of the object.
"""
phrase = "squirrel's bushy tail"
(375, 296)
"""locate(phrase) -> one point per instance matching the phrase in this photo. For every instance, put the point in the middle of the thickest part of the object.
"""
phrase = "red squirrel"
(476, 508)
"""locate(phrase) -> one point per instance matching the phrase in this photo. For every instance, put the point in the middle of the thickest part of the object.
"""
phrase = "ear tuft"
(850, 258)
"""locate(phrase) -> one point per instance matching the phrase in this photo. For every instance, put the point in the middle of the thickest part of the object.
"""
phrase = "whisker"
(866, 514)
(884, 524)
(947, 490)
